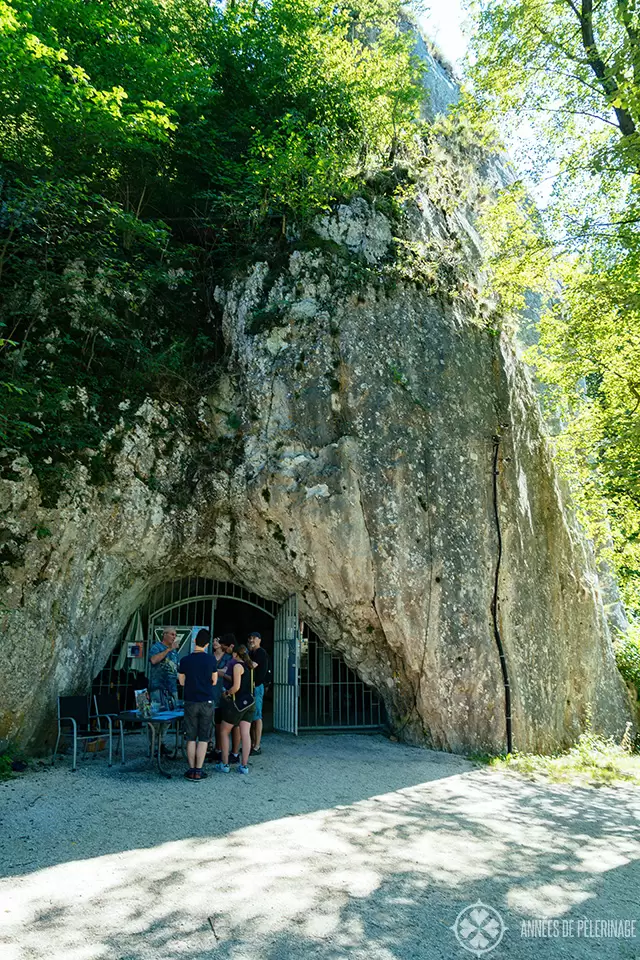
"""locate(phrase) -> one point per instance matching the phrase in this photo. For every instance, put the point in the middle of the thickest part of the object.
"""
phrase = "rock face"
(372, 449)
(375, 448)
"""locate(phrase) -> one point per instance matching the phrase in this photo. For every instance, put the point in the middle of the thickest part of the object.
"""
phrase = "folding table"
(157, 724)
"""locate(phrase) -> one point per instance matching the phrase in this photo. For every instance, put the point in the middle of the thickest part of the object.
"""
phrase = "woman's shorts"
(228, 713)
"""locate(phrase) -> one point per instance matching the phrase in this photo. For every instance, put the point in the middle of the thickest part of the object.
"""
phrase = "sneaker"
(242, 769)
(255, 751)
(234, 758)
(222, 767)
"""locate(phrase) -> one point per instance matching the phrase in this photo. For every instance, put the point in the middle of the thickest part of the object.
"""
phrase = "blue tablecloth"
(162, 716)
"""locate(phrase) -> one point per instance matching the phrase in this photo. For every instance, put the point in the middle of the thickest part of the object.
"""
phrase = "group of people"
(223, 691)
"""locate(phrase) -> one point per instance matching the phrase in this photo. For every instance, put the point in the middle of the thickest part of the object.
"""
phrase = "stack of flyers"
(143, 704)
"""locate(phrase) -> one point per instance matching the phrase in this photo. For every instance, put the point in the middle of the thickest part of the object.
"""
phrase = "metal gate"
(286, 667)
(192, 600)
(332, 696)
(187, 604)
(313, 687)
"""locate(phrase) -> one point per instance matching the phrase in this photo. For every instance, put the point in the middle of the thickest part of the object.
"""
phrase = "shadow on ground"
(371, 851)
(57, 815)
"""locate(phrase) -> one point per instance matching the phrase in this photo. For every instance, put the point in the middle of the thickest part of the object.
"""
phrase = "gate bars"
(286, 667)
(332, 696)
(314, 689)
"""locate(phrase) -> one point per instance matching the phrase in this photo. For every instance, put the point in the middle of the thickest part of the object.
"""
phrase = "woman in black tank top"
(239, 684)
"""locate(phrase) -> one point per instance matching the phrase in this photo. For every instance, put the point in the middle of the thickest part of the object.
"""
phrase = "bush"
(147, 149)
(6, 769)
(627, 651)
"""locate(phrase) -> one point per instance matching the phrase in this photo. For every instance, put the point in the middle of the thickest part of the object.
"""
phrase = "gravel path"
(333, 847)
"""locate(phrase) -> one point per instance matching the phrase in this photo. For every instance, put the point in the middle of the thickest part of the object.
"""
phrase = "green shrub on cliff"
(146, 148)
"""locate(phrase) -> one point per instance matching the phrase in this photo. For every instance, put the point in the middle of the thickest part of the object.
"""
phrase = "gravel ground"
(333, 847)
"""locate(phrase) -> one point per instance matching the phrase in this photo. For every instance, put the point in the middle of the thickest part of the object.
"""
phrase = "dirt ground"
(333, 847)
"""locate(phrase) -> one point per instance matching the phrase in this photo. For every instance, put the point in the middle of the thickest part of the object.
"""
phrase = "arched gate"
(313, 688)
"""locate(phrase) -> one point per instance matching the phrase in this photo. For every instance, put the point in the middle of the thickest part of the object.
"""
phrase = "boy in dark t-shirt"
(198, 674)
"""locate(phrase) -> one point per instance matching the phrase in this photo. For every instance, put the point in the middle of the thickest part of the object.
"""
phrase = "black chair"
(75, 711)
(107, 708)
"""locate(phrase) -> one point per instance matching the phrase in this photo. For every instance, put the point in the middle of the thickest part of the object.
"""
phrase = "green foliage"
(518, 254)
(6, 769)
(589, 352)
(627, 650)
(571, 73)
(593, 761)
(398, 376)
(148, 148)
(7, 762)
(91, 293)
(563, 81)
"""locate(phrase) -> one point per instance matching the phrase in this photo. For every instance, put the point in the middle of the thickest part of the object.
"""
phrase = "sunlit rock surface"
(374, 447)
(347, 456)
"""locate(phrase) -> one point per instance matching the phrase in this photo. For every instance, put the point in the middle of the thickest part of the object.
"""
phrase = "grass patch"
(593, 761)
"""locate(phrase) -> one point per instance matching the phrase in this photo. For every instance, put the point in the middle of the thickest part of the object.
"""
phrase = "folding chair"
(74, 710)
(107, 708)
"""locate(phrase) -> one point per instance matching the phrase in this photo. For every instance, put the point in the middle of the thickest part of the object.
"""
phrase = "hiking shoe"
(222, 767)
(243, 769)
(234, 758)
(255, 751)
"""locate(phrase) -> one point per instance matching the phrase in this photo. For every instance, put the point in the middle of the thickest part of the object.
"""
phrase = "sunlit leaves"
(146, 147)
(562, 80)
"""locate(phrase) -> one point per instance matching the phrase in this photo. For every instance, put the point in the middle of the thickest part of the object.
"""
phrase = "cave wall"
(347, 455)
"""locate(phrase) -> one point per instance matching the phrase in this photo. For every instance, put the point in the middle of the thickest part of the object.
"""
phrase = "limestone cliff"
(372, 447)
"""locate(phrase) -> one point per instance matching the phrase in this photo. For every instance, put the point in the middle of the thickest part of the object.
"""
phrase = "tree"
(566, 75)
(148, 147)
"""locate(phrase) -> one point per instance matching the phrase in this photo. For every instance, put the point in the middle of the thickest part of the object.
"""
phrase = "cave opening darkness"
(311, 688)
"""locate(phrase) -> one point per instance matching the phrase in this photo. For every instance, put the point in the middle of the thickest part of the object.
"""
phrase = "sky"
(444, 25)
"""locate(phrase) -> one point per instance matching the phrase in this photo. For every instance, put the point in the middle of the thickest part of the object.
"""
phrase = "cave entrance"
(313, 688)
